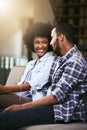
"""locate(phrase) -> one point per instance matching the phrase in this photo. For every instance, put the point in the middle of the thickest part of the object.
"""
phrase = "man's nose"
(51, 42)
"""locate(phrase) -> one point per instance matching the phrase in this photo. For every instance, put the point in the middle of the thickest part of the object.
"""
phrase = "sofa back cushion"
(15, 75)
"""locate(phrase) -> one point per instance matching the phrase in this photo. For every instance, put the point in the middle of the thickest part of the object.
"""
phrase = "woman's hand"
(2, 88)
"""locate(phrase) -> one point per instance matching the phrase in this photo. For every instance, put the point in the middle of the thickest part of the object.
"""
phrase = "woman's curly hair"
(37, 30)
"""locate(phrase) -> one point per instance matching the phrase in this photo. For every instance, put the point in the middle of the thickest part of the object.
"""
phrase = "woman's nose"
(40, 44)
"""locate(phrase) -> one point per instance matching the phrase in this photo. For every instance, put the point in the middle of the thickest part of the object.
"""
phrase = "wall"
(43, 11)
(11, 24)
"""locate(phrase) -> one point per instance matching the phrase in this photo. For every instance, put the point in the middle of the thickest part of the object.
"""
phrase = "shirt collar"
(69, 53)
(44, 56)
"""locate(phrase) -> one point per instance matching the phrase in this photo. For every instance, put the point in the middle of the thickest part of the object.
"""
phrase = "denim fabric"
(26, 117)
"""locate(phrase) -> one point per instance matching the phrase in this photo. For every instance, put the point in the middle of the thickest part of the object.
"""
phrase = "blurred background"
(17, 15)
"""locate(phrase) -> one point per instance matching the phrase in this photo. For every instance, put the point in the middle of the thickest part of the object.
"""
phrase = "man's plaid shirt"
(69, 82)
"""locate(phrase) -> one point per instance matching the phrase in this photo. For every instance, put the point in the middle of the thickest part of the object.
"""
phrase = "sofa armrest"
(15, 75)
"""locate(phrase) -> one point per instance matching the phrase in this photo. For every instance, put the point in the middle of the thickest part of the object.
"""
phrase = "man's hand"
(13, 107)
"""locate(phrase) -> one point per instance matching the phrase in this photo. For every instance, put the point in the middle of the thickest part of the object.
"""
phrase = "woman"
(37, 71)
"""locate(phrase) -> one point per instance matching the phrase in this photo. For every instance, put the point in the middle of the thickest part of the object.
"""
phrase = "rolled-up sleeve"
(72, 74)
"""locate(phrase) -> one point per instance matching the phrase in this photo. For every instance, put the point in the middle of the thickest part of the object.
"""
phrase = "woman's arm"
(16, 88)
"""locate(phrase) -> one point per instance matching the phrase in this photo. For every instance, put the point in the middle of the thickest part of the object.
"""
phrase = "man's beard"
(57, 52)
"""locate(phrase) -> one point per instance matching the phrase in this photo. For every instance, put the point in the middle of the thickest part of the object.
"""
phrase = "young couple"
(55, 86)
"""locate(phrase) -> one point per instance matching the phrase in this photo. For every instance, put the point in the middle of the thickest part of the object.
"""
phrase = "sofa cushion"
(71, 126)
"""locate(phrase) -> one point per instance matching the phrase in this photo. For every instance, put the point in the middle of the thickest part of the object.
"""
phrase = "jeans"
(26, 117)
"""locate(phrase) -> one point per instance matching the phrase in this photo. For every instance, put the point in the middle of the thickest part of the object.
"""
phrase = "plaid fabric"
(69, 83)
(85, 102)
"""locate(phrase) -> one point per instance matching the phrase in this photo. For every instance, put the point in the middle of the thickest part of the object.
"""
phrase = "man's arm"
(47, 100)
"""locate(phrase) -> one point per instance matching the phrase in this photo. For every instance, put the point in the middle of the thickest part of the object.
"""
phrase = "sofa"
(13, 78)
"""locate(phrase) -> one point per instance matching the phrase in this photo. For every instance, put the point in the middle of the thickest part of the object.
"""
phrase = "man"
(68, 84)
